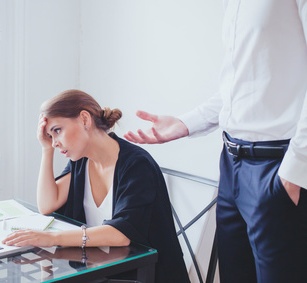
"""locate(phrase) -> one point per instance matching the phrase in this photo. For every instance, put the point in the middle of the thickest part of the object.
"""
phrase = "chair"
(195, 221)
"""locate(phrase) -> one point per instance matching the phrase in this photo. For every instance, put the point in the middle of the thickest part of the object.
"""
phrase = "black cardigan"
(141, 207)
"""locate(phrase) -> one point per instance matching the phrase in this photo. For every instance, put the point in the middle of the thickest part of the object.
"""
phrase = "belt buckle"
(231, 145)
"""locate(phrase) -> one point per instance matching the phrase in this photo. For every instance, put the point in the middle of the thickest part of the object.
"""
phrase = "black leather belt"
(253, 150)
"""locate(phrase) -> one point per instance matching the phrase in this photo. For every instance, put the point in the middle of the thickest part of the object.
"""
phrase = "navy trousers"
(262, 234)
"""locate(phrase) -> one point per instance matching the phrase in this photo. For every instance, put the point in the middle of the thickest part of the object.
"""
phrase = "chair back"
(193, 200)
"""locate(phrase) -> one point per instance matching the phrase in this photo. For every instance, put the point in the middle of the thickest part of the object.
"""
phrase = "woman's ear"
(86, 119)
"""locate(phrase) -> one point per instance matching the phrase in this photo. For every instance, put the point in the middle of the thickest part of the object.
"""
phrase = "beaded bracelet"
(85, 238)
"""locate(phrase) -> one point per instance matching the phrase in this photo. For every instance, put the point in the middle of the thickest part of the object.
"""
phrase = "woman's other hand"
(44, 139)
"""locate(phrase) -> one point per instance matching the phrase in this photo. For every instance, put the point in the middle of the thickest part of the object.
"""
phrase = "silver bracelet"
(85, 238)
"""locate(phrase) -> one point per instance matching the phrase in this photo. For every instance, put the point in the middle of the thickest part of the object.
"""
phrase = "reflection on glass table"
(74, 264)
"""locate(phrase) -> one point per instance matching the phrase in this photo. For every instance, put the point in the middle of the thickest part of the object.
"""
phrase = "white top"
(263, 86)
(96, 215)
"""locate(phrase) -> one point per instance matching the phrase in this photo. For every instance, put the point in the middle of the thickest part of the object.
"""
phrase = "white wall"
(4, 98)
(40, 51)
(162, 56)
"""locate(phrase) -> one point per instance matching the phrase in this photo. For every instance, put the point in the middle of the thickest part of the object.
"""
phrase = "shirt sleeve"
(294, 165)
(66, 170)
(203, 119)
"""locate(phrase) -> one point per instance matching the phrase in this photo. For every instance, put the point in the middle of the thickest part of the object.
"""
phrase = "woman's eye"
(57, 131)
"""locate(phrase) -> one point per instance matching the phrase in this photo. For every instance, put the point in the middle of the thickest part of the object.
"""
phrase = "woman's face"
(68, 135)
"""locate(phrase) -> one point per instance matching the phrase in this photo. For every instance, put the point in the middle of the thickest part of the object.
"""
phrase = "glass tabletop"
(51, 265)
(59, 263)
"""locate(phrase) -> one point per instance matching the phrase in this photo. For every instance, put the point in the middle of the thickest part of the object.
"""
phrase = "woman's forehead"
(58, 121)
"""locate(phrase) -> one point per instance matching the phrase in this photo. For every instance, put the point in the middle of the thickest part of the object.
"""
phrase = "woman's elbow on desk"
(125, 242)
(46, 210)
(48, 207)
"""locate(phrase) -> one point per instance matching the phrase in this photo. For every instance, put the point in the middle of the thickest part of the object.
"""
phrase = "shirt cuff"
(293, 169)
(196, 124)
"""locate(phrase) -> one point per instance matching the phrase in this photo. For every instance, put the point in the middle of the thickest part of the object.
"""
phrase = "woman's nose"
(55, 143)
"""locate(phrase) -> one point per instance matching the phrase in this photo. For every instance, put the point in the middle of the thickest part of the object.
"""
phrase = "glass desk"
(73, 264)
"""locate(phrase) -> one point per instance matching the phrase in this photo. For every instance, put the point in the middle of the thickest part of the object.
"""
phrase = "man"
(261, 107)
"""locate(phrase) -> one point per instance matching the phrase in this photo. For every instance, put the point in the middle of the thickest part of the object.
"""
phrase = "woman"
(115, 187)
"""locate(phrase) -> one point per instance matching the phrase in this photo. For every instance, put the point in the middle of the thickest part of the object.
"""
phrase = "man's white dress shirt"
(263, 84)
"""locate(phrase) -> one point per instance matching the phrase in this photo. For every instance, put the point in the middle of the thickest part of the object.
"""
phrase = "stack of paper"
(33, 222)
(11, 208)
(14, 216)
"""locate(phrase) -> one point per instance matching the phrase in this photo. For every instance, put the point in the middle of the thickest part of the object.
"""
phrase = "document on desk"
(14, 216)
(11, 208)
(51, 226)
(36, 221)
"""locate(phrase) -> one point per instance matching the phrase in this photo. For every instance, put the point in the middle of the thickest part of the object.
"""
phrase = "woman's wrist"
(57, 238)
(48, 150)
(85, 238)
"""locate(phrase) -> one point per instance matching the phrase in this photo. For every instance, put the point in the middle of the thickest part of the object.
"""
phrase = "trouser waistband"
(263, 149)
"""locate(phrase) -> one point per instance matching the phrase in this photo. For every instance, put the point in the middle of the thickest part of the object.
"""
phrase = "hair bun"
(110, 116)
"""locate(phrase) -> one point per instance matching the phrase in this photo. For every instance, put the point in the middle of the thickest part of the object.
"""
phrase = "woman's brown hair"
(70, 103)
